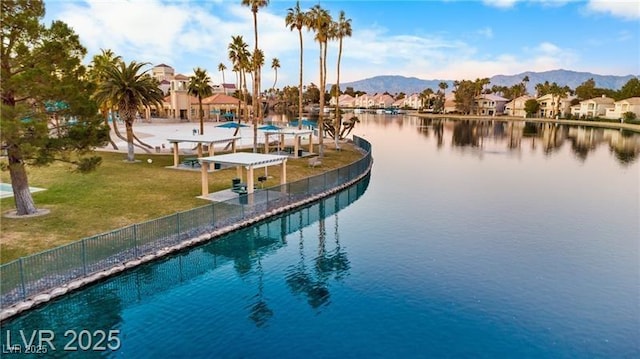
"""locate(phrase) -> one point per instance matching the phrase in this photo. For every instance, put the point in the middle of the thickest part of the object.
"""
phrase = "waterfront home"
(412, 101)
(619, 108)
(595, 107)
(344, 100)
(490, 105)
(515, 107)
(548, 106)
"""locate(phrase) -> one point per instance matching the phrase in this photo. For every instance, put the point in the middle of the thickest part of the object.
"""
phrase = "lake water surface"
(469, 239)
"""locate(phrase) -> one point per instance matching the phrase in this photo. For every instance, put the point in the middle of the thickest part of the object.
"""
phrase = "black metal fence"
(41, 272)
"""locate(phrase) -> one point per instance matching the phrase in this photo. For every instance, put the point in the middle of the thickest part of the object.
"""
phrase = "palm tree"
(342, 29)
(275, 65)
(296, 19)
(129, 88)
(221, 68)
(239, 56)
(200, 87)
(255, 5)
(321, 25)
(97, 75)
(525, 81)
(443, 86)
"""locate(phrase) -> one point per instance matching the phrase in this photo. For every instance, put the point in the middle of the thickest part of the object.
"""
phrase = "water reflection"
(512, 136)
(103, 305)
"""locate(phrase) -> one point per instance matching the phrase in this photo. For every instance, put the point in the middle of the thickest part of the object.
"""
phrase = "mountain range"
(396, 84)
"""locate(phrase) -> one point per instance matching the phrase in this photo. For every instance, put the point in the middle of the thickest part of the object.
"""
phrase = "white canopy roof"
(289, 131)
(246, 159)
(203, 139)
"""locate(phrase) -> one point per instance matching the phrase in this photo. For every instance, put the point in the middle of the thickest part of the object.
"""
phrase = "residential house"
(595, 107)
(344, 100)
(515, 107)
(450, 103)
(412, 101)
(548, 106)
(364, 101)
(490, 105)
(383, 100)
(631, 104)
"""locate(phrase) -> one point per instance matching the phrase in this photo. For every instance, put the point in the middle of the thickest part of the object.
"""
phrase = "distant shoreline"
(614, 125)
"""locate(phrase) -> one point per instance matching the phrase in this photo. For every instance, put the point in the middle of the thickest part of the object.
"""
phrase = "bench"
(191, 161)
(314, 162)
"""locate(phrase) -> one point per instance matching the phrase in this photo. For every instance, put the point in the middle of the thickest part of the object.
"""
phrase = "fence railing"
(41, 272)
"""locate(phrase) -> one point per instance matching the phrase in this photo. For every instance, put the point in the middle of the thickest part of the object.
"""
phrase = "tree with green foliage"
(531, 107)
(465, 94)
(296, 19)
(221, 68)
(321, 21)
(241, 59)
(129, 89)
(255, 5)
(200, 87)
(275, 65)
(630, 89)
(341, 29)
(96, 75)
(46, 111)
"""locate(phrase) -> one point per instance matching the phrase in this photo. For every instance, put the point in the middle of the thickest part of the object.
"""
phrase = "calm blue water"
(468, 240)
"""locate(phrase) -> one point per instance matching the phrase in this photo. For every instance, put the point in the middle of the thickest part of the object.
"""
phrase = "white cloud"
(500, 3)
(626, 9)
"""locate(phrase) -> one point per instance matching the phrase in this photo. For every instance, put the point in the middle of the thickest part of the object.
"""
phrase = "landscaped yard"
(118, 194)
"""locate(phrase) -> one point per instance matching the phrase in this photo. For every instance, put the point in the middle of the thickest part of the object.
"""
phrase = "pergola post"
(266, 142)
(311, 142)
(205, 178)
(295, 145)
(283, 172)
(250, 180)
(176, 156)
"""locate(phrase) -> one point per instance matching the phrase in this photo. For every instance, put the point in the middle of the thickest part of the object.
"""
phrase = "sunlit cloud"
(625, 9)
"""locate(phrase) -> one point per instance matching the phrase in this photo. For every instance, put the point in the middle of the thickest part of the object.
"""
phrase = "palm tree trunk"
(300, 85)
(338, 117)
(106, 122)
(130, 151)
(20, 183)
(201, 115)
(320, 118)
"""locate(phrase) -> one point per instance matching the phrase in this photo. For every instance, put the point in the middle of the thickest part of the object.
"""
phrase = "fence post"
(24, 289)
(135, 237)
(178, 223)
(213, 215)
(84, 257)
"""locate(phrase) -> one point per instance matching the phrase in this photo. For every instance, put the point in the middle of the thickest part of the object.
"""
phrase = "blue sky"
(446, 40)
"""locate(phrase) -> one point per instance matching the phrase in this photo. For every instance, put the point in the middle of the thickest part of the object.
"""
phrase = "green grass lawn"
(118, 194)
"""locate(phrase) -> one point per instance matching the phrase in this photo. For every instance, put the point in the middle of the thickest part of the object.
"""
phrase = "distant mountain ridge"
(396, 84)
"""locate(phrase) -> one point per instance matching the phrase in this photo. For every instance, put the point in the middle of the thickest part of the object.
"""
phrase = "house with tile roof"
(515, 107)
(548, 106)
(619, 108)
(490, 105)
(595, 107)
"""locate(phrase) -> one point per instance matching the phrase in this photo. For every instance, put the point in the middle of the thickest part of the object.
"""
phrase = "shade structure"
(231, 125)
(249, 161)
(269, 128)
(200, 140)
(228, 115)
(306, 123)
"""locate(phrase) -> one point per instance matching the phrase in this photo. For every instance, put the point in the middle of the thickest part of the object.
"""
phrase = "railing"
(41, 272)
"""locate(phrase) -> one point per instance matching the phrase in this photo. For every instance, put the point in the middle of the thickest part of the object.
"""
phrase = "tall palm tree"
(320, 21)
(239, 56)
(525, 81)
(200, 87)
(275, 65)
(96, 75)
(255, 5)
(296, 19)
(257, 61)
(342, 29)
(221, 68)
(129, 88)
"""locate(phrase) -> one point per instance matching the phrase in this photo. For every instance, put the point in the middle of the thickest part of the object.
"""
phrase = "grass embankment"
(119, 194)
